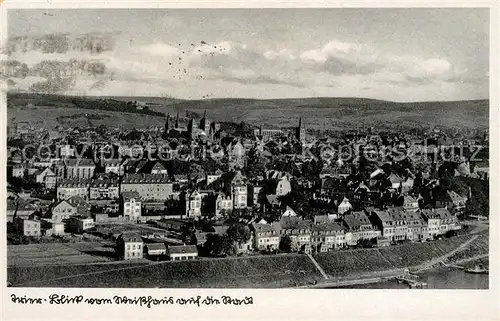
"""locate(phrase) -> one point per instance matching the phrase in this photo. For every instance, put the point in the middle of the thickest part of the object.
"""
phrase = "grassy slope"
(227, 273)
(263, 271)
(317, 112)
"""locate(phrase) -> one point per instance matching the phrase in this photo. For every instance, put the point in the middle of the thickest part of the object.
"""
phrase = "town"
(201, 188)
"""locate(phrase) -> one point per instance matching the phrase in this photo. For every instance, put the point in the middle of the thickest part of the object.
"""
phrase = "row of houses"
(326, 233)
(37, 227)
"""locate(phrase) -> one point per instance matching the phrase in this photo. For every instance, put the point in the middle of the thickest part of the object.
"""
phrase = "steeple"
(300, 133)
(167, 123)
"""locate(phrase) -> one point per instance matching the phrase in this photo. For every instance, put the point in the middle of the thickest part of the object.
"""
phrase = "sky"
(391, 54)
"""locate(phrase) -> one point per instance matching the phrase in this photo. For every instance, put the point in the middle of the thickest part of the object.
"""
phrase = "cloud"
(341, 58)
(333, 68)
(159, 49)
(285, 54)
(261, 80)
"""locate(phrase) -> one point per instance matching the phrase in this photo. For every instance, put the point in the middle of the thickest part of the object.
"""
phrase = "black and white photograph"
(248, 148)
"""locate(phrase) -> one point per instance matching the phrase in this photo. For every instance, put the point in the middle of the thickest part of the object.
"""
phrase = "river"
(440, 278)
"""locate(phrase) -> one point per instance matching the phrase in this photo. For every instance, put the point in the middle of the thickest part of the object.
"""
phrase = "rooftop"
(145, 179)
(182, 249)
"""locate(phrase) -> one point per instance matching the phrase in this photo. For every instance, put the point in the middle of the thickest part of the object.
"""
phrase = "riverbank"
(341, 268)
(473, 251)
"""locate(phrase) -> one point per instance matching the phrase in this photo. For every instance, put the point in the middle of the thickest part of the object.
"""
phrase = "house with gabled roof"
(399, 218)
(47, 178)
(344, 206)
(266, 236)
(359, 227)
(382, 220)
(62, 210)
(129, 246)
(327, 236)
(298, 230)
(455, 202)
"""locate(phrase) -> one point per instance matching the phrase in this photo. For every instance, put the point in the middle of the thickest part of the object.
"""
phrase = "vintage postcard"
(164, 158)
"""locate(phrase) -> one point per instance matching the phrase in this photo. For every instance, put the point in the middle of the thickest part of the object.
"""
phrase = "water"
(441, 278)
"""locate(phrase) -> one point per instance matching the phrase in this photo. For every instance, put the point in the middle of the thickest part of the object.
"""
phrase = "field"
(59, 253)
(60, 116)
(249, 272)
(318, 113)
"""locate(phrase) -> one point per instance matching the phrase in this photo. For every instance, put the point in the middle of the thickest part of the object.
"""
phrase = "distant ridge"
(317, 113)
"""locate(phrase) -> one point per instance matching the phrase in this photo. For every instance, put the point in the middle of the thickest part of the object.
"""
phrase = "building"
(151, 187)
(21, 208)
(104, 189)
(66, 151)
(47, 178)
(400, 224)
(73, 187)
(344, 206)
(129, 246)
(327, 236)
(383, 221)
(212, 177)
(481, 170)
(236, 155)
(79, 168)
(410, 203)
(155, 250)
(113, 166)
(300, 132)
(439, 221)
(359, 227)
(283, 187)
(49, 227)
(266, 236)
(268, 132)
(192, 128)
(193, 204)
(455, 202)
(299, 232)
(131, 205)
(417, 228)
(62, 211)
(182, 252)
(239, 191)
(175, 225)
(18, 170)
(79, 224)
(28, 227)
(205, 124)
(223, 204)
(158, 168)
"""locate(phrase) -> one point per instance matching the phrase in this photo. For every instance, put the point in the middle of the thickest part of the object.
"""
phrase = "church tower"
(177, 121)
(300, 133)
(192, 128)
(167, 123)
(205, 124)
(167, 127)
